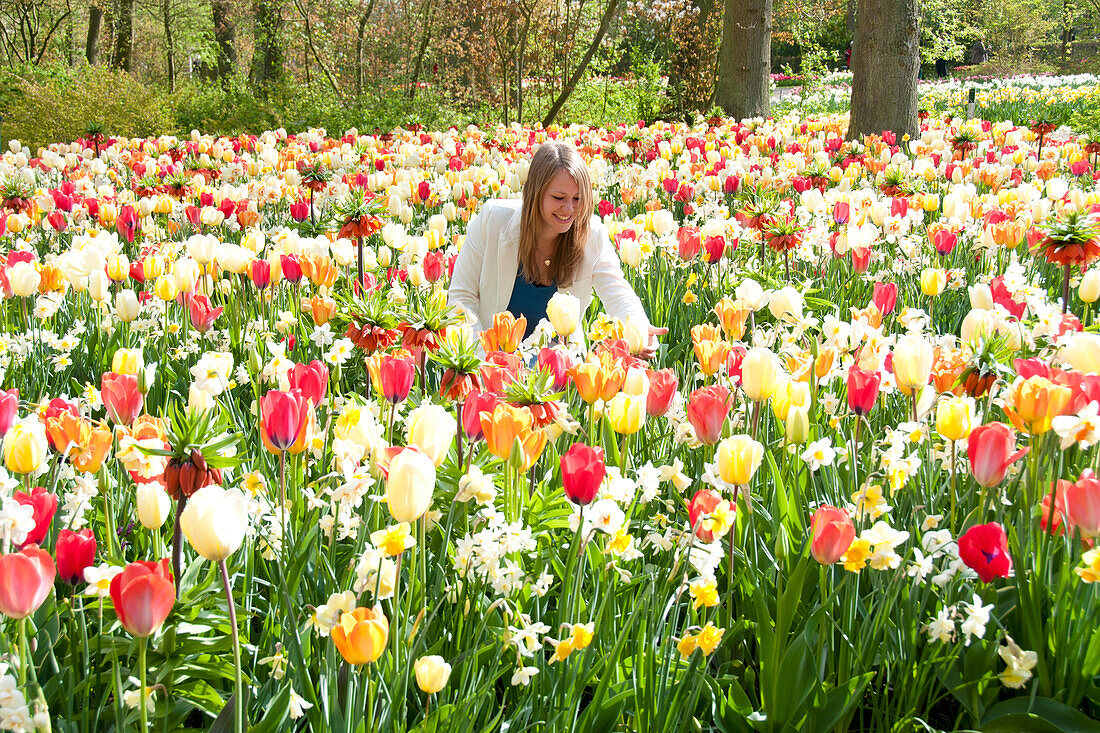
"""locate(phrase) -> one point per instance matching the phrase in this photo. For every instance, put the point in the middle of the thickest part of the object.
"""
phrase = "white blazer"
(485, 271)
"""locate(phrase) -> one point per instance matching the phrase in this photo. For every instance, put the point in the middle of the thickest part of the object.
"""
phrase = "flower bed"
(852, 491)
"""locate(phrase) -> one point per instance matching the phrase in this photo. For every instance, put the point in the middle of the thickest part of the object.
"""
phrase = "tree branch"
(605, 23)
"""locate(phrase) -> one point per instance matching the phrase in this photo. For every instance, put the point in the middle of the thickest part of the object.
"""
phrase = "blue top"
(529, 300)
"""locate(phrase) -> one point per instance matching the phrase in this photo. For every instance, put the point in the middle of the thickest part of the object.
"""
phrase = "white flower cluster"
(15, 713)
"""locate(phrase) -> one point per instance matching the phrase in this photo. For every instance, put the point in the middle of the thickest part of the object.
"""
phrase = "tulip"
(1089, 290)
(984, 549)
(705, 502)
(732, 315)
(432, 673)
(507, 424)
(1083, 352)
(127, 305)
(75, 552)
(626, 413)
(143, 595)
(505, 334)
(165, 288)
(981, 297)
(863, 389)
(1031, 404)
(992, 449)
(564, 312)
(201, 312)
(284, 418)
(24, 279)
(9, 405)
(582, 472)
(431, 428)
(214, 521)
(44, 505)
(885, 297)
(636, 334)
(932, 281)
(558, 362)
(797, 427)
(913, 358)
(409, 484)
(707, 410)
(25, 446)
(954, 417)
(395, 377)
(786, 305)
(475, 404)
(831, 534)
(26, 578)
(127, 361)
(122, 397)
(311, 380)
(662, 388)
(260, 273)
(1082, 504)
(361, 635)
(153, 504)
(788, 394)
(738, 457)
(759, 374)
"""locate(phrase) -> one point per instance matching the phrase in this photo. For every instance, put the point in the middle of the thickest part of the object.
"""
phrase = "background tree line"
(238, 63)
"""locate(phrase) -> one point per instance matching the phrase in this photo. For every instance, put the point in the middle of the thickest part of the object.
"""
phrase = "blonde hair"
(550, 158)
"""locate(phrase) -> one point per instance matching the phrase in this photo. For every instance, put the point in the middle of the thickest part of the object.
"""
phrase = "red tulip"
(841, 213)
(582, 471)
(1082, 504)
(992, 449)
(434, 264)
(475, 404)
(396, 374)
(662, 388)
(861, 259)
(45, 506)
(984, 549)
(122, 397)
(299, 210)
(283, 417)
(128, 223)
(688, 242)
(25, 580)
(202, 314)
(944, 240)
(143, 594)
(557, 362)
(423, 190)
(831, 534)
(260, 272)
(75, 551)
(291, 267)
(704, 502)
(311, 380)
(862, 389)
(715, 247)
(9, 405)
(707, 410)
(885, 297)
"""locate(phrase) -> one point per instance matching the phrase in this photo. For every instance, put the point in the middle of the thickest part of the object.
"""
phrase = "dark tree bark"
(225, 37)
(578, 72)
(885, 64)
(166, 16)
(363, 20)
(744, 62)
(91, 47)
(267, 61)
(124, 36)
(422, 47)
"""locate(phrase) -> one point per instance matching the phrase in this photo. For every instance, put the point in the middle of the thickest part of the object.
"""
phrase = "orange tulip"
(361, 635)
(505, 334)
(321, 308)
(588, 379)
(614, 375)
(505, 425)
(732, 316)
(319, 269)
(1032, 403)
(711, 355)
(51, 279)
(95, 447)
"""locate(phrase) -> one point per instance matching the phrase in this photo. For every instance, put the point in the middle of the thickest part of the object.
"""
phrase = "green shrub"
(56, 104)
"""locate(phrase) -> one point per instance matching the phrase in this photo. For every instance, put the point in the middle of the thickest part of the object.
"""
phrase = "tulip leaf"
(1037, 714)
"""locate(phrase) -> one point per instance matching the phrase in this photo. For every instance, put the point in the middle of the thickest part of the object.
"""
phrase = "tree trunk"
(166, 10)
(359, 50)
(225, 38)
(744, 62)
(422, 49)
(91, 47)
(571, 83)
(885, 63)
(267, 62)
(124, 36)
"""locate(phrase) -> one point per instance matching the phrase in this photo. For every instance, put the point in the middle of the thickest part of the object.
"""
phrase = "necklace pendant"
(546, 262)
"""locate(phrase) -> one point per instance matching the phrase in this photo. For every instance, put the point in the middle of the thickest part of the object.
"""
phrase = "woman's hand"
(651, 346)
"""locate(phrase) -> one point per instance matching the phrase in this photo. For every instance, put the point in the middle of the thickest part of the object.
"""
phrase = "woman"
(519, 253)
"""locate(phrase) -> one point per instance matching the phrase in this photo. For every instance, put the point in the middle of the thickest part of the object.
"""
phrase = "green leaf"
(274, 719)
(1038, 714)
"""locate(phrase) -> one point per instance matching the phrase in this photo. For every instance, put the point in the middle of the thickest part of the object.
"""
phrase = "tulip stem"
(177, 542)
(24, 652)
(238, 687)
(954, 479)
(143, 712)
(1065, 288)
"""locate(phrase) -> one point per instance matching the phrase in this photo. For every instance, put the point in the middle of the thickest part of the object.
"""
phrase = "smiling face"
(560, 205)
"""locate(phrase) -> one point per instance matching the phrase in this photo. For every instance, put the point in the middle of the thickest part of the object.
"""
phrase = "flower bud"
(153, 505)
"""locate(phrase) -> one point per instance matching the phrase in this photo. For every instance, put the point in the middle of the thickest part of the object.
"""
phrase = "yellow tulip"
(626, 413)
(738, 457)
(361, 635)
(955, 417)
(25, 446)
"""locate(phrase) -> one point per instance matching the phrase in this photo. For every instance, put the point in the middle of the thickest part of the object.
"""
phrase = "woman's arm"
(465, 289)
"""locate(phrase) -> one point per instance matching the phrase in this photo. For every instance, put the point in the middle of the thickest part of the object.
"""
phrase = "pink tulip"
(25, 580)
(992, 449)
